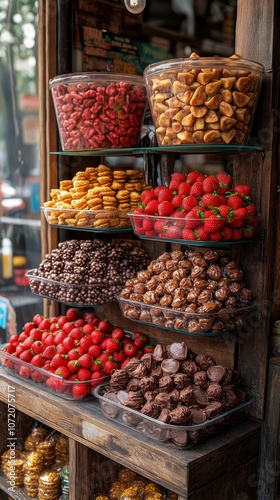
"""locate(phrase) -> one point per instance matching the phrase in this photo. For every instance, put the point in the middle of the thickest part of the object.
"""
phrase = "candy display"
(197, 208)
(86, 272)
(68, 355)
(97, 198)
(204, 100)
(130, 485)
(189, 291)
(98, 110)
(39, 470)
(174, 395)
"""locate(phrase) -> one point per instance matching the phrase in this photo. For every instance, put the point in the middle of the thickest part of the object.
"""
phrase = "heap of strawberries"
(73, 352)
(197, 207)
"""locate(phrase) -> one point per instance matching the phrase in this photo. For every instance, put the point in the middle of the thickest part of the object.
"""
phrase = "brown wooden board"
(173, 468)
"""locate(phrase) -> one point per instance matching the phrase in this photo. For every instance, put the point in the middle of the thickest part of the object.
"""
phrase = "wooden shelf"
(178, 470)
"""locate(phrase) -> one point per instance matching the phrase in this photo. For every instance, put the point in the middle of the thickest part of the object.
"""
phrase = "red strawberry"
(177, 200)
(178, 176)
(210, 184)
(147, 196)
(118, 333)
(224, 211)
(217, 236)
(140, 339)
(97, 377)
(235, 201)
(75, 353)
(26, 355)
(59, 337)
(113, 345)
(227, 233)
(189, 202)
(103, 357)
(110, 365)
(176, 180)
(10, 348)
(151, 233)
(225, 182)
(197, 189)
(62, 371)
(148, 349)
(201, 234)
(85, 361)
(210, 199)
(130, 349)
(28, 343)
(173, 232)
(165, 208)
(248, 231)
(97, 365)
(61, 320)
(105, 325)
(72, 314)
(152, 207)
(55, 383)
(37, 319)
(164, 194)
(38, 376)
(97, 336)
(184, 189)
(67, 327)
(188, 234)
(25, 372)
(36, 334)
(242, 189)
(79, 391)
(193, 176)
(238, 217)
(68, 343)
(86, 342)
(27, 327)
(76, 333)
(61, 349)
(19, 350)
(59, 360)
(193, 219)
(120, 356)
(89, 316)
(49, 351)
(44, 324)
(79, 323)
(73, 366)
(95, 350)
(22, 336)
(84, 374)
(38, 361)
(159, 225)
(213, 223)
(147, 224)
(236, 234)
(251, 209)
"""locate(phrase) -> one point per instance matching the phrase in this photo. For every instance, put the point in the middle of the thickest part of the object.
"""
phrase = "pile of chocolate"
(174, 386)
(87, 271)
(189, 291)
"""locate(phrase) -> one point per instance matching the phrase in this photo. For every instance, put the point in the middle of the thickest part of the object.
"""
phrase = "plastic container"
(94, 220)
(203, 100)
(98, 110)
(71, 293)
(38, 377)
(197, 324)
(183, 436)
(190, 230)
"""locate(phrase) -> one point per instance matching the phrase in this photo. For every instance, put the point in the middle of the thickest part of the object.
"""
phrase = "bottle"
(7, 259)
(20, 269)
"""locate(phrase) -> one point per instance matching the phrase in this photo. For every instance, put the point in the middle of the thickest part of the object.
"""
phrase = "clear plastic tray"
(187, 435)
(43, 378)
(175, 229)
(92, 220)
(195, 324)
(73, 294)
